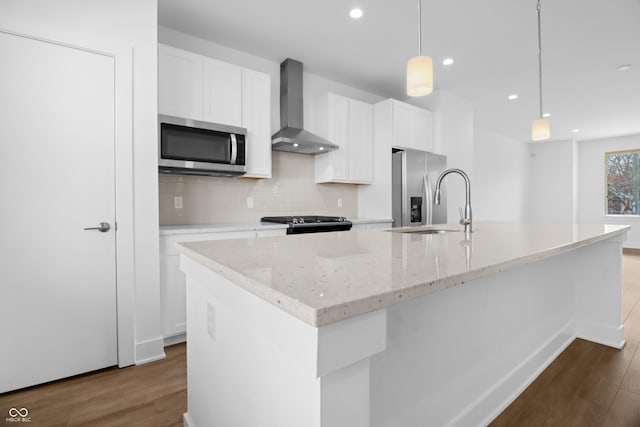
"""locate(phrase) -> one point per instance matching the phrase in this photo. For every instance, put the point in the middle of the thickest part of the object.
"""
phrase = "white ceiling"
(493, 43)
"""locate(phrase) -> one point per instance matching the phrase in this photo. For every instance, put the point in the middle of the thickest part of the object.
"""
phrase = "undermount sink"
(421, 230)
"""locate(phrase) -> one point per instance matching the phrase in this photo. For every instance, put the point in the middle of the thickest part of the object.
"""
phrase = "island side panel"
(245, 364)
(250, 363)
(459, 356)
(598, 289)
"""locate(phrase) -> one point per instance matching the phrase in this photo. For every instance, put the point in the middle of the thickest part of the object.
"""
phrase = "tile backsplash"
(290, 191)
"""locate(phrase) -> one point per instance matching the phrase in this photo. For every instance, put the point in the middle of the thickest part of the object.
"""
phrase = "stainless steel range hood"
(292, 137)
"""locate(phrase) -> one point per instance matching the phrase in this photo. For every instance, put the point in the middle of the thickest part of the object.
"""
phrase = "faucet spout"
(466, 219)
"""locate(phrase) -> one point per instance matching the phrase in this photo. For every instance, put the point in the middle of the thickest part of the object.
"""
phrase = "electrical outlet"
(177, 202)
(339, 203)
(249, 202)
(211, 320)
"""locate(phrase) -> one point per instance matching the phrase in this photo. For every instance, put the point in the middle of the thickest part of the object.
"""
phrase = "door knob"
(103, 227)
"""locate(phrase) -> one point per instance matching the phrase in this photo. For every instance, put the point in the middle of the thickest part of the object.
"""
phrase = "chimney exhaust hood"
(292, 137)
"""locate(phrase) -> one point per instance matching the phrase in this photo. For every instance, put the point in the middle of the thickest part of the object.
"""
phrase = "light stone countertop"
(223, 227)
(322, 278)
(167, 230)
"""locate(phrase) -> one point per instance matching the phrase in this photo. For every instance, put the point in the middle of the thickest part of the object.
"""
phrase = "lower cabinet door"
(173, 283)
(173, 296)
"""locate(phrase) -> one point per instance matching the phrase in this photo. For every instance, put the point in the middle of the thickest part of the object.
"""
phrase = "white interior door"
(57, 281)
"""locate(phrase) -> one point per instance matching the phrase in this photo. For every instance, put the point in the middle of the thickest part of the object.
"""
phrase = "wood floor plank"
(625, 411)
(631, 382)
(632, 325)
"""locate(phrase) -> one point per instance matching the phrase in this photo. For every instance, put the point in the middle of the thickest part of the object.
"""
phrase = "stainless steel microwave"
(192, 147)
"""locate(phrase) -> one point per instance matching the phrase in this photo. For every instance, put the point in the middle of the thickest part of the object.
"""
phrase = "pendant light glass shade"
(540, 129)
(420, 76)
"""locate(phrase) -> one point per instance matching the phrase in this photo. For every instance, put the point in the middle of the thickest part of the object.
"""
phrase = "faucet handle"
(463, 220)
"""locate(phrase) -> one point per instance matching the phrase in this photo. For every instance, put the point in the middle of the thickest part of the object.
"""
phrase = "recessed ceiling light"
(575, 130)
(321, 148)
(546, 115)
(624, 67)
(447, 61)
(512, 97)
(356, 13)
(295, 144)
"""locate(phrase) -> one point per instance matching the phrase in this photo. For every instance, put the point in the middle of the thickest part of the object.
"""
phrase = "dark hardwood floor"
(587, 385)
(150, 395)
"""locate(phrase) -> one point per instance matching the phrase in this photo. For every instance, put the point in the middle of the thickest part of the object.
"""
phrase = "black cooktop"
(311, 223)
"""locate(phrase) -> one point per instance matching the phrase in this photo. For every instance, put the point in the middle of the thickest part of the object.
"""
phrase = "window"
(623, 182)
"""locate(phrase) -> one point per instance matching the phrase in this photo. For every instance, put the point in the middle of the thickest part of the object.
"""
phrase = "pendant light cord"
(539, 58)
(420, 27)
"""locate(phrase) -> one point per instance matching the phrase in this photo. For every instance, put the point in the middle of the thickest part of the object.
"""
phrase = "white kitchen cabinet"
(412, 127)
(347, 123)
(222, 92)
(172, 279)
(202, 88)
(180, 83)
(360, 142)
(173, 282)
(256, 118)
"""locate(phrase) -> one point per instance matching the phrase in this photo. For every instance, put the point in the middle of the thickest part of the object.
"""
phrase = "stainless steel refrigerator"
(414, 175)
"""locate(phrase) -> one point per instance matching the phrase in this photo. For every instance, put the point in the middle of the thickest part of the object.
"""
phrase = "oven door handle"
(234, 148)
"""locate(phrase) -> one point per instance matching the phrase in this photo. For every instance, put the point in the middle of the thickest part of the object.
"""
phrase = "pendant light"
(540, 129)
(420, 68)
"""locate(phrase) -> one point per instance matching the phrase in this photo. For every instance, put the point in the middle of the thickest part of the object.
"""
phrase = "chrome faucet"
(466, 219)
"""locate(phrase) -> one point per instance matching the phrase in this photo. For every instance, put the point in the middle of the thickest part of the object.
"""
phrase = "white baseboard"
(187, 421)
(601, 334)
(175, 339)
(496, 399)
(150, 350)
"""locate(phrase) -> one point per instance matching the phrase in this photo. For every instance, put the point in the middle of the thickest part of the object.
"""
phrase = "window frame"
(606, 183)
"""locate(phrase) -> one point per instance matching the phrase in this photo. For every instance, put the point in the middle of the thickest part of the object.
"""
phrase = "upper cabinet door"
(223, 92)
(338, 133)
(256, 118)
(360, 142)
(403, 133)
(412, 126)
(349, 124)
(180, 83)
(423, 127)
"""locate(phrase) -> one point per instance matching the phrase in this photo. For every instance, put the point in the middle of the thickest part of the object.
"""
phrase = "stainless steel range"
(310, 224)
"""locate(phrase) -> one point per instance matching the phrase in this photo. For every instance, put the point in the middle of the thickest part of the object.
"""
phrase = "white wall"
(551, 197)
(134, 25)
(500, 177)
(592, 187)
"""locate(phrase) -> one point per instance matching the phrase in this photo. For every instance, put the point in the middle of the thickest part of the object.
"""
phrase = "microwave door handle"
(234, 149)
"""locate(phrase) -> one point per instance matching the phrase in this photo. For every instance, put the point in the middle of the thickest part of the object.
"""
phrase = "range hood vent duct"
(292, 137)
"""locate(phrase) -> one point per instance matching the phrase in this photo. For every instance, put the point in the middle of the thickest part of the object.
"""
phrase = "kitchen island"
(385, 328)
